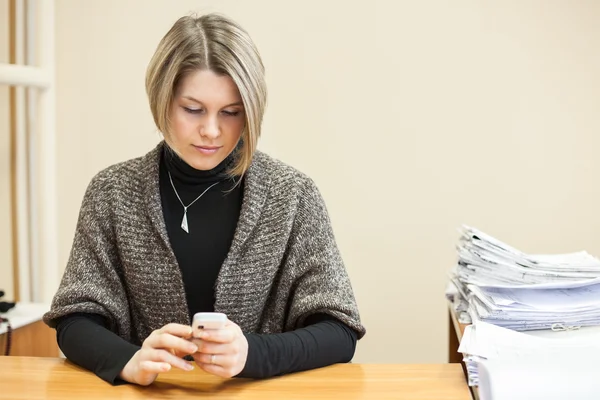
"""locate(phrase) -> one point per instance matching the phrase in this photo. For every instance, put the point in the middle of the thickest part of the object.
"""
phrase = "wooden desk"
(30, 336)
(53, 378)
(455, 333)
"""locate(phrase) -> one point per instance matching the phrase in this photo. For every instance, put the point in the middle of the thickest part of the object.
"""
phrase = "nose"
(210, 127)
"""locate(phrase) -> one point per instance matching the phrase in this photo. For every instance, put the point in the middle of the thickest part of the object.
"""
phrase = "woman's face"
(207, 119)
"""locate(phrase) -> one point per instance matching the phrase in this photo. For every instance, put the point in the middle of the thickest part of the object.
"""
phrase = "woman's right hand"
(160, 351)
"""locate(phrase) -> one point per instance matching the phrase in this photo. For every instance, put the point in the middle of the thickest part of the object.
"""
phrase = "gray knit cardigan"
(283, 264)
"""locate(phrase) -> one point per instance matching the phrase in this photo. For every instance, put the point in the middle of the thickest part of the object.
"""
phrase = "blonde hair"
(212, 42)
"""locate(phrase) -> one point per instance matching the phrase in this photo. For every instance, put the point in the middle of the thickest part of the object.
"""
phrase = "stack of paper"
(506, 287)
(530, 313)
(486, 261)
(567, 377)
(456, 296)
(513, 365)
(522, 308)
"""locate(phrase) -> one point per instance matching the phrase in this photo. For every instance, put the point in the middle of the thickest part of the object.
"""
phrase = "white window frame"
(36, 200)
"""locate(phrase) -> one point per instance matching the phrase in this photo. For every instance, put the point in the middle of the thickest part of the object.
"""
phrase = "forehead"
(208, 87)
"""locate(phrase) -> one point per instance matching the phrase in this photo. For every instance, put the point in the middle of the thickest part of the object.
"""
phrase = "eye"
(231, 113)
(192, 110)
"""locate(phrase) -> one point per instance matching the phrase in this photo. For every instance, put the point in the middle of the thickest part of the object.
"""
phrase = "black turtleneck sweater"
(212, 219)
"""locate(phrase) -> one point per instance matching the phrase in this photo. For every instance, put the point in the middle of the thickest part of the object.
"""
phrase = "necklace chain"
(184, 223)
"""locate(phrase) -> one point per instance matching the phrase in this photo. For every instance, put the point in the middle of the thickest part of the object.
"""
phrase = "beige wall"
(6, 272)
(412, 116)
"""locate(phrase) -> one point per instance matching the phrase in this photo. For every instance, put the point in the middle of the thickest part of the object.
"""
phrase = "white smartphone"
(208, 320)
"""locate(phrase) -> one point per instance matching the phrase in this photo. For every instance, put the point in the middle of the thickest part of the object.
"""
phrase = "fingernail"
(203, 335)
(189, 367)
(193, 349)
(166, 367)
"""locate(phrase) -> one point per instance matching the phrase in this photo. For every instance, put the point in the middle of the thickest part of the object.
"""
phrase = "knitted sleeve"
(321, 283)
(92, 282)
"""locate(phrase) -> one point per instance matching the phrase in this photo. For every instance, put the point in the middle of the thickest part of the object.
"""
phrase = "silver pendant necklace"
(184, 221)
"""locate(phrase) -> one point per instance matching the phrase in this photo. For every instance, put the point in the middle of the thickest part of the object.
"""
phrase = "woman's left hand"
(221, 352)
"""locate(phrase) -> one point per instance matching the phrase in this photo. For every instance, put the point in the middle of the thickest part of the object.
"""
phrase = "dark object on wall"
(5, 305)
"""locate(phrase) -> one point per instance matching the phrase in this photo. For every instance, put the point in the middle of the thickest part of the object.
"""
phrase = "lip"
(208, 150)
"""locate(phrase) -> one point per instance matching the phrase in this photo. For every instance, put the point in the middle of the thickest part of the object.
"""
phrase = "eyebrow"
(239, 103)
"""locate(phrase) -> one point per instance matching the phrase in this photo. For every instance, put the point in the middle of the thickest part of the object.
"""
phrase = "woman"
(202, 223)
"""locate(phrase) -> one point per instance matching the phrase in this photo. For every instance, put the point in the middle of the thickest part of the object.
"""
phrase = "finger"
(166, 357)
(217, 370)
(221, 360)
(183, 331)
(169, 342)
(214, 348)
(154, 367)
(180, 354)
(225, 335)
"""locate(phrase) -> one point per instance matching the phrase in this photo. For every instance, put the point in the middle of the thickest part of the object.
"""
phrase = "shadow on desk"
(294, 386)
(65, 380)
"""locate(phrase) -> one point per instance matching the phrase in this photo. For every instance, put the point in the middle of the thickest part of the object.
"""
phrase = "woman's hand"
(160, 351)
(222, 352)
